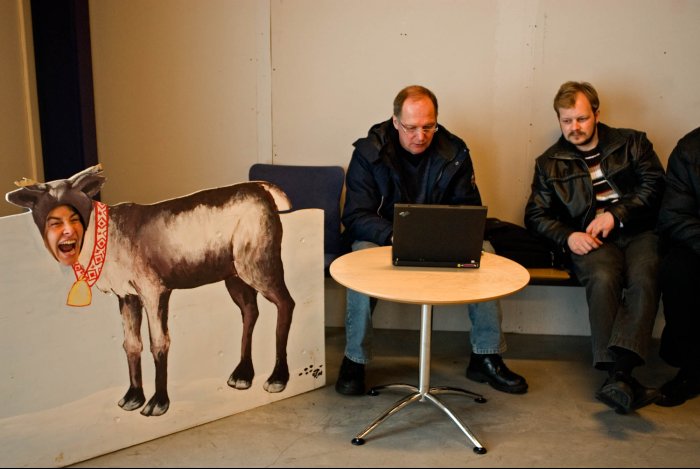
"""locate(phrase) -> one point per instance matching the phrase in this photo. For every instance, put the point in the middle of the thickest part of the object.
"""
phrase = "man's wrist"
(617, 221)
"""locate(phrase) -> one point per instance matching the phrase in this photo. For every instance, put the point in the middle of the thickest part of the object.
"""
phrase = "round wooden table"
(370, 271)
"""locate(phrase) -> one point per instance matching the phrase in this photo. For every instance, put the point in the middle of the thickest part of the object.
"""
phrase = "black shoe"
(491, 369)
(624, 393)
(351, 379)
(643, 396)
(616, 393)
(678, 390)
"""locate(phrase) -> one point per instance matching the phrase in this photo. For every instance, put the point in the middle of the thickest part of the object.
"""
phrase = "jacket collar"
(609, 139)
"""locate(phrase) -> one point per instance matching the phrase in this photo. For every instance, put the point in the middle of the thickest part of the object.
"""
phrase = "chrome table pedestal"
(424, 391)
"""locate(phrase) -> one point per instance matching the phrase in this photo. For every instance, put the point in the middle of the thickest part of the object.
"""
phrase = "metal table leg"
(424, 391)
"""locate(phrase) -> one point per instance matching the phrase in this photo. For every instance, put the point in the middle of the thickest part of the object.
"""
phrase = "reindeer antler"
(24, 182)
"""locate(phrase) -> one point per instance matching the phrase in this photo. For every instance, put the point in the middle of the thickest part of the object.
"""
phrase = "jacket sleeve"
(541, 211)
(679, 218)
(641, 204)
(363, 201)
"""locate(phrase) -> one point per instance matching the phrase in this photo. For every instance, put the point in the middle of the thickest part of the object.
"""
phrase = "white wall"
(182, 96)
(495, 67)
(188, 95)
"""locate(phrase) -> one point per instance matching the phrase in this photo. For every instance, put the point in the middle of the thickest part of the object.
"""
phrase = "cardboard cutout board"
(64, 368)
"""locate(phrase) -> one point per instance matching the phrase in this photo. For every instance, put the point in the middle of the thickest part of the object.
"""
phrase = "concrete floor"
(558, 423)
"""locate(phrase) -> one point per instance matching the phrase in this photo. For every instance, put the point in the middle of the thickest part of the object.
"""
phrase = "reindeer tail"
(280, 197)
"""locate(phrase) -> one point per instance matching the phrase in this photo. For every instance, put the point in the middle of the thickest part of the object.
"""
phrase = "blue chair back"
(311, 187)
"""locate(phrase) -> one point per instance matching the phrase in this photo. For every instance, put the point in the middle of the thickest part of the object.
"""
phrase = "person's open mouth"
(67, 247)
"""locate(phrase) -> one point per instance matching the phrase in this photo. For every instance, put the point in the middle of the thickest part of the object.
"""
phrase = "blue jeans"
(486, 335)
(622, 290)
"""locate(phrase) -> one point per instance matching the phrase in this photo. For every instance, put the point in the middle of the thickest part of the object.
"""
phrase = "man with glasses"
(410, 159)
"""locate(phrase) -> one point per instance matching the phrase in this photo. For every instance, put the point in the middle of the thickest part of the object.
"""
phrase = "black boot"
(624, 393)
(351, 379)
(616, 393)
(490, 368)
(682, 387)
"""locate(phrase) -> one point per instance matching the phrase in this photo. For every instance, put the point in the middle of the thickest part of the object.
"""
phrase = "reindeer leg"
(280, 297)
(246, 298)
(130, 307)
(160, 344)
(258, 263)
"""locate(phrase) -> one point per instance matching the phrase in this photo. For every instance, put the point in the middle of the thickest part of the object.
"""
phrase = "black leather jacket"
(562, 200)
(373, 181)
(679, 218)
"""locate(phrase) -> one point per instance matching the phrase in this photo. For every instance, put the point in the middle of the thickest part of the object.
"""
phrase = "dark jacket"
(679, 218)
(562, 200)
(373, 181)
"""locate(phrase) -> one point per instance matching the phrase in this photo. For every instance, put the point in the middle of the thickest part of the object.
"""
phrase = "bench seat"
(551, 276)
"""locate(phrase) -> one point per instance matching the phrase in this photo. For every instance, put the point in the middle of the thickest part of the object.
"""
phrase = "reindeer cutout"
(141, 253)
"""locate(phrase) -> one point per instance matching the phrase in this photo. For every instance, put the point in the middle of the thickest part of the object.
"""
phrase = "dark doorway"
(63, 59)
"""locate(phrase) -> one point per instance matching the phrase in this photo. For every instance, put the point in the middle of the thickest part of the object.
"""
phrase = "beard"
(587, 141)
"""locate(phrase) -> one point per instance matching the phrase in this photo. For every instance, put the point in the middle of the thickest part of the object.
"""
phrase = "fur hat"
(42, 197)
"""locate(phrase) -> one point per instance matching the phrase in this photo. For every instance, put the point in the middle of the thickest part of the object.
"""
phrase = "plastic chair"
(311, 187)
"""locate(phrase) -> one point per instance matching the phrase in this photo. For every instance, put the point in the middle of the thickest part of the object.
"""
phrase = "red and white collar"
(80, 293)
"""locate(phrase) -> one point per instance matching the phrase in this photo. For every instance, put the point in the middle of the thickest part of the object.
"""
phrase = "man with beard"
(596, 193)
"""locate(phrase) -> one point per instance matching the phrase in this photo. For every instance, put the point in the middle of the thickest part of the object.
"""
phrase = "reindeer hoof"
(239, 383)
(154, 408)
(132, 405)
(274, 386)
(133, 399)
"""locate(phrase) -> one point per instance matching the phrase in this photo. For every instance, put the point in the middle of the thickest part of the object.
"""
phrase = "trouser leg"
(622, 292)
(680, 286)
(600, 272)
(358, 320)
(634, 323)
(486, 334)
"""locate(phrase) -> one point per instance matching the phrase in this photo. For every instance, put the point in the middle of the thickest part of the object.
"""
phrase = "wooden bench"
(551, 276)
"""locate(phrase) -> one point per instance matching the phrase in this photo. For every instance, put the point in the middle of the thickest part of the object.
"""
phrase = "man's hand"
(603, 224)
(582, 243)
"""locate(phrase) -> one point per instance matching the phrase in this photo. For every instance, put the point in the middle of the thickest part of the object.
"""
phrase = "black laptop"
(438, 235)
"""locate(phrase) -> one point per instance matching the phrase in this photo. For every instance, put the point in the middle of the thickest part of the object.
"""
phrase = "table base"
(417, 396)
(424, 391)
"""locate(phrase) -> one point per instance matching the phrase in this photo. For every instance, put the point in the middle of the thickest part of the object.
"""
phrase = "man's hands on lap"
(582, 243)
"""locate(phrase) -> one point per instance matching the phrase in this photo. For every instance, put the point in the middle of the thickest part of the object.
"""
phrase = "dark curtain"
(63, 60)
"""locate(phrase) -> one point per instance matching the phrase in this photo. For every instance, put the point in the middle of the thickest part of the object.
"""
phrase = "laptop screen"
(438, 235)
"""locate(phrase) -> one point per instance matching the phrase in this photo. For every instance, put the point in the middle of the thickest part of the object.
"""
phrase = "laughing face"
(63, 234)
